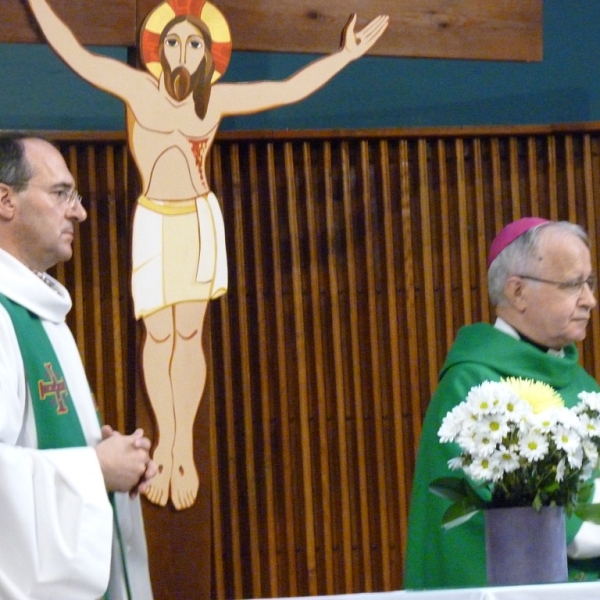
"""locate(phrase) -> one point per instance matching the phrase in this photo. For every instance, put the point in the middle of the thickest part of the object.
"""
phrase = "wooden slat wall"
(354, 258)
(98, 274)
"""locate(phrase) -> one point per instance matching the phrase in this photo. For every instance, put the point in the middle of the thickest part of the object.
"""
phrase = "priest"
(541, 283)
(70, 514)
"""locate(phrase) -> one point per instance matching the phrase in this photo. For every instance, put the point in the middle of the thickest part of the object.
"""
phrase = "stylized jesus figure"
(173, 111)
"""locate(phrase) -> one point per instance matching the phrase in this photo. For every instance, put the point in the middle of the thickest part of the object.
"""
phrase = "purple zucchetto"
(510, 233)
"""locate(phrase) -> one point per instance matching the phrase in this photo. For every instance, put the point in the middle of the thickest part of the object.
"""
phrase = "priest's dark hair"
(15, 169)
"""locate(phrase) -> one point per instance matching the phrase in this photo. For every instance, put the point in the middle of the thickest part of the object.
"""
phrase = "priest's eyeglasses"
(64, 196)
(69, 197)
(573, 287)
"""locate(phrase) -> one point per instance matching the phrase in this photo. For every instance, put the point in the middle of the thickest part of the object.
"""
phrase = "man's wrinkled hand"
(125, 460)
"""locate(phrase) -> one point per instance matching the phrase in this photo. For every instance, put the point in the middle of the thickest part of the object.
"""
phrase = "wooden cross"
(468, 29)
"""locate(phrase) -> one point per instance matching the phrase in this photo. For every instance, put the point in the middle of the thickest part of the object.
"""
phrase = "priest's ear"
(7, 201)
(515, 293)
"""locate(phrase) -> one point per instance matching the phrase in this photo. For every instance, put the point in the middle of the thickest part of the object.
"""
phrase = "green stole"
(56, 420)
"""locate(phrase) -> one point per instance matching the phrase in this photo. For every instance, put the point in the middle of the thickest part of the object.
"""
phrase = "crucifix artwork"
(174, 107)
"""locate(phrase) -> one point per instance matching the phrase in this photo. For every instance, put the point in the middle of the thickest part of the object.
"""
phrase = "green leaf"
(458, 513)
(585, 492)
(451, 488)
(466, 501)
(588, 512)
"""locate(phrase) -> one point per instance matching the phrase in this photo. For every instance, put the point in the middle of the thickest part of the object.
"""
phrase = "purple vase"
(525, 546)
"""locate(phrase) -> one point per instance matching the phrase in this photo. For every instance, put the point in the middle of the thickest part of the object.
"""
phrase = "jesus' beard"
(179, 83)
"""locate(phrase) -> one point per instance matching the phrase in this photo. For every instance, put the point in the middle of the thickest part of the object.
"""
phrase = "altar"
(556, 591)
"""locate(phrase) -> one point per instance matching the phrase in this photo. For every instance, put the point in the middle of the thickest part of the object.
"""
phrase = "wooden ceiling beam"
(464, 29)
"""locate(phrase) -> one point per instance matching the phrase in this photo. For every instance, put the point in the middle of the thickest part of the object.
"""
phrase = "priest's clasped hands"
(125, 461)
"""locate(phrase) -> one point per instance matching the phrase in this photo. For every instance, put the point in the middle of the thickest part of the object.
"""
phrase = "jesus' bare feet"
(158, 490)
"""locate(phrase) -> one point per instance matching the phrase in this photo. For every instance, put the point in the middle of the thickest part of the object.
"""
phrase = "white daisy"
(591, 400)
(591, 451)
(481, 469)
(533, 446)
(494, 427)
(507, 458)
(566, 439)
(575, 458)
(454, 422)
(546, 421)
(456, 463)
(486, 398)
(590, 424)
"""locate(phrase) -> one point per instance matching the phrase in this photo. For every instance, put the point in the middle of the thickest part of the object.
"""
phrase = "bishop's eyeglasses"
(573, 287)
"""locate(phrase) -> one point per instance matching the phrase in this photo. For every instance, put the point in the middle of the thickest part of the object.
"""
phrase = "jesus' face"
(183, 52)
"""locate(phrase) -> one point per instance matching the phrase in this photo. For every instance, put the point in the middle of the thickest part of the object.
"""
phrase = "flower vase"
(525, 546)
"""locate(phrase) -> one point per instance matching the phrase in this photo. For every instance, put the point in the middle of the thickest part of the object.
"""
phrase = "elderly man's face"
(557, 316)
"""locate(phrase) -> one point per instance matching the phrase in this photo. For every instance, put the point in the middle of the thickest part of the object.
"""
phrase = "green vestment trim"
(56, 419)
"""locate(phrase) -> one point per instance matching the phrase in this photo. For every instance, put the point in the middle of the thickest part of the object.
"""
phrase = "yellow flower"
(538, 394)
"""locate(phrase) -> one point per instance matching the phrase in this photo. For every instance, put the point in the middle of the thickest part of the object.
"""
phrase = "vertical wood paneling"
(234, 479)
(97, 275)
(261, 282)
(448, 244)
(246, 343)
(390, 320)
(353, 262)
(592, 349)
(552, 176)
(115, 315)
(377, 476)
(218, 461)
(497, 196)
(76, 262)
(427, 262)
(446, 220)
(345, 565)
(481, 240)
(463, 218)
(570, 176)
(231, 547)
(288, 452)
(216, 464)
(408, 222)
(361, 534)
(532, 166)
(300, 337)
(319, 320)
(515, 187)
(97, 344)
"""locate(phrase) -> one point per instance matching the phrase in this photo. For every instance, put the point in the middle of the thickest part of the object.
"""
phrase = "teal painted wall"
(40, 92)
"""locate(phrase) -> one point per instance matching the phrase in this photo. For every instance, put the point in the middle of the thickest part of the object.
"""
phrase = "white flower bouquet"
(520, 446)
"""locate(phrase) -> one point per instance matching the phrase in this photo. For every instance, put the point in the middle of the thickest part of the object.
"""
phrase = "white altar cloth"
(556, 591)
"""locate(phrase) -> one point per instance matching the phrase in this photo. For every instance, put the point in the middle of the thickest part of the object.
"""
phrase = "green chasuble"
(456, 558)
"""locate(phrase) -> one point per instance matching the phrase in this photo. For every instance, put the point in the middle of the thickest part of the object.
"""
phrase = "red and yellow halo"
(158, 18)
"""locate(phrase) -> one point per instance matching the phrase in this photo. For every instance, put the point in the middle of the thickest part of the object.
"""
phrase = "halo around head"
(159, 17)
